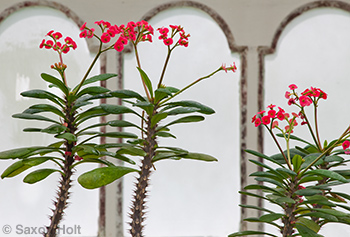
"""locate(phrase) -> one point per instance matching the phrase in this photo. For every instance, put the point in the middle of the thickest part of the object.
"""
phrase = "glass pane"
(193, 198)
(21, 62)
(313, 50)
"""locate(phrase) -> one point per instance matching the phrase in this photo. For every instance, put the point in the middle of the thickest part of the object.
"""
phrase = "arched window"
(189, 197)
(21, 63)
(313, 50)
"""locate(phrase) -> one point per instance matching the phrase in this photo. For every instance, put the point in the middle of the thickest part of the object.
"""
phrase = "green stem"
(280, 148)
(316, 127)
(139, 65)
(329, 149)
(311, 132)
(89, 69)
(164, 67)
(190, 85)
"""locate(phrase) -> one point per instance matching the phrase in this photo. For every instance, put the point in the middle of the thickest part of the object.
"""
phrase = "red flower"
(105, 38)
(266, 120)
(83, 26)
(293, 87)
(168, 41)
(280, 115)
(83, 34)
(257, 122)
(118, 46)
(346, 144)
(275, 124)
(57, 35)
(305, 101)
(287, 95)
(271, 113)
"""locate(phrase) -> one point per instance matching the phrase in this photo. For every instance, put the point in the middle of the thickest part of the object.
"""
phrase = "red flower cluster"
(272, 116)
(307, 97)
(183, 40)
(135, 32)
(231, 67)
(56, 45)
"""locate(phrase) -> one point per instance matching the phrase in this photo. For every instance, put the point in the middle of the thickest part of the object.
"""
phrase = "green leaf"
(327, 173)
(272, 181)
(187, 119)
(164, 134)
(310, 158)
(22, 165)
(116, 109)
(102, 176)
(146, 106)
(161, 155)
(146, 80)
(42, 94)
(101, 77)
(306, 232)
(127, 94)
(284, 200)
(39, 108)
(308, 192)
(333, 158)
(309, 223)
(130, 150)
(67, 136)
(121, 123)
(119, 135)
(297, 160)
(258, 154)
(34, 117)
(270, 217)
(57, 82)
(293, 137)
(332, 212)
(92, 160)
(161, 93)
(38, 175)
(91, 113)
(198, 156)
(183, 110)
(250, 232)
(19, 152)
(93, 90)
(158, 117)
(189, 103)
(256, 207)
(262, 187)
(286, 172)
(32, 130)
(54, 129)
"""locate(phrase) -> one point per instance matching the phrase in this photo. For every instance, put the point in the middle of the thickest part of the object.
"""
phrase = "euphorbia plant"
(71, 108)
(300, 179)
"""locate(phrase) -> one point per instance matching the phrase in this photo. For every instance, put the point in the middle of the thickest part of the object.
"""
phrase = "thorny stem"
(65, 183)
(138, 205)
(289, 210)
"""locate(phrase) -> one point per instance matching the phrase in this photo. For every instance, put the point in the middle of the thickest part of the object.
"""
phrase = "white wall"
(314, 50)
(21, 62)
(193, 198)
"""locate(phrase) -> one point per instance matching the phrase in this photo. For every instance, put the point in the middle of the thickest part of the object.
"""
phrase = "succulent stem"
(138, 205)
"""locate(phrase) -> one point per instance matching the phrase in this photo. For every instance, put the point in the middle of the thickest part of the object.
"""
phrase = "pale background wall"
(252, 23)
